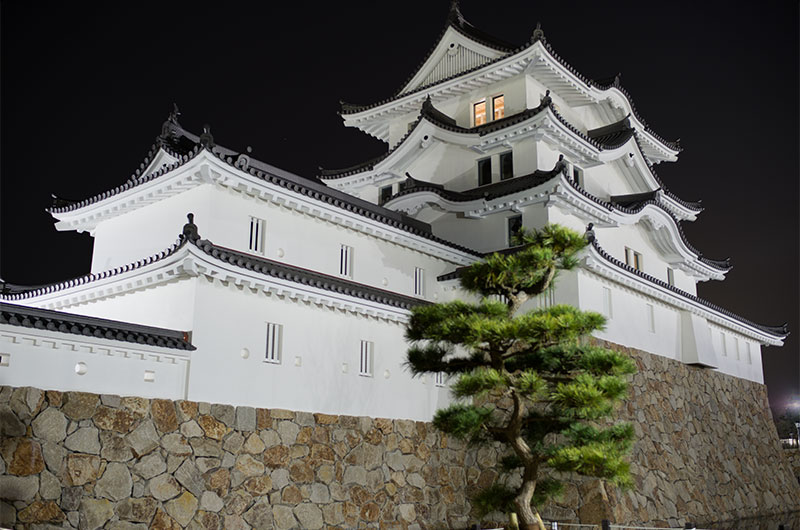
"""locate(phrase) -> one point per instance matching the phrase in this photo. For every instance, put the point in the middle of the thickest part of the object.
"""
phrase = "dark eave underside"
(45, 319)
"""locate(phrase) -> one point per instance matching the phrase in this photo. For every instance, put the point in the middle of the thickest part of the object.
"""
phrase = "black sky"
(85, 88)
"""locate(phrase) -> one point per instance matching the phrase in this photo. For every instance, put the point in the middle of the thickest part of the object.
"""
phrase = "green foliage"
(527, 380)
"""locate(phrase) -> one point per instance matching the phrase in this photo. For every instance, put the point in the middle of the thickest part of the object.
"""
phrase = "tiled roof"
(44, 319)
(614, 135)
(779, 331)
(260, 265)
(310, 187)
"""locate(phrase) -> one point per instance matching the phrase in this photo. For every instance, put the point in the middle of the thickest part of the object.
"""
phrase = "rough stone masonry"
(706, 450)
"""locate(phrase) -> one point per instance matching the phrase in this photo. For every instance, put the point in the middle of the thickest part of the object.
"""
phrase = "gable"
(455, 53)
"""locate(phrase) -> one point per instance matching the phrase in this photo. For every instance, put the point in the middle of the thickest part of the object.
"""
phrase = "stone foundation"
(706, 451)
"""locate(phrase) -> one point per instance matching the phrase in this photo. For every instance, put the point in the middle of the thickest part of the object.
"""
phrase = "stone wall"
(706, 450)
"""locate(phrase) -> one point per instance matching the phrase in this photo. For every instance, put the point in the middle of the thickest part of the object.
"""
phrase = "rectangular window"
(747, 355)
(419, 281)
(365, 362)
(479, 113)
(438, 379)
(499, 106)
(484, 171)
(385, 194)
(577, 176)
(670, 276)
(633, 259)
(256, 235)
(346, 261)
(651, 318)
(4, 359)
(724, 344)
(506, 166)
(514, 226)
(607, 308)
(274, 345)
(736, 347)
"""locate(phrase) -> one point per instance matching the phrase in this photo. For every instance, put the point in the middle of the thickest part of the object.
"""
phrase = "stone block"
(182, 508)
(22, 456)
(164, 416)
(245, 419)
(94, 513)
(84, 440)
(82, 468)
(50, 425)
(18, 488)
(137, 510)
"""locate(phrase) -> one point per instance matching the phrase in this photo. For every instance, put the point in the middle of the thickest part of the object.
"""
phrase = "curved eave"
(603, 264)
(563, 80)
(192, 258)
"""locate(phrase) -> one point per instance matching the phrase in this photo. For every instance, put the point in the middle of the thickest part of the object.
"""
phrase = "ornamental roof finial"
(167, 127)
(173, 116)
(206, 139)
(190, 229)
(538, 33)
(455, 16)
(589, 234)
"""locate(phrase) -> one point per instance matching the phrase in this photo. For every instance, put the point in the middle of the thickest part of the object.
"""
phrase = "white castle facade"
(293, 290)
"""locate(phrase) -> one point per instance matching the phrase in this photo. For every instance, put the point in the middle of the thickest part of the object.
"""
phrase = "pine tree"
(526, 380)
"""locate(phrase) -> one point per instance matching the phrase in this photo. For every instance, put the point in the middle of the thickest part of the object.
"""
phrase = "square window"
(365, 361)
(274, 343)
(385, 194)
(346, 261)
(419, 281)
(670, 276)
(479, 113)
(256, 235)
(498, 107)
(514, 226)
(484, 171)
(506, 166)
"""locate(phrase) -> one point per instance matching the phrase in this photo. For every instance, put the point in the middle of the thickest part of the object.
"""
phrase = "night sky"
(85, 89)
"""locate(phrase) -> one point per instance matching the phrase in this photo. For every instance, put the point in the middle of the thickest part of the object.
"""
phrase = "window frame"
(633, 259)
(608, 304)
(439, 379)
(257, 237)
(366, 358)
(346, 261)
(670, 276)
(381, 190)
(485, 162)
(578, 176)
(509, 234)
(419, 282)
(494, 107)
(475, 113)
(273, 344)
(508, 155)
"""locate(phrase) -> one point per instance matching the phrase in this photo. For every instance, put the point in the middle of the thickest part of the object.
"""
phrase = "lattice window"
(346, 261)
(274, 343)
(366, 358)
(419, 281)
(256, 235)
(439, 379)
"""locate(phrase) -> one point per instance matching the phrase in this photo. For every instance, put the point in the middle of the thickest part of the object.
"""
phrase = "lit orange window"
(499, 106)
(479, 112)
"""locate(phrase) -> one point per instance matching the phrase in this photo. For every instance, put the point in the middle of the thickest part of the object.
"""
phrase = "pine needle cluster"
(526, 379)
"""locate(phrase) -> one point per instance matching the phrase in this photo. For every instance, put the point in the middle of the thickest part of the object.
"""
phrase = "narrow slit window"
(506, 166)
(651, 318)
(608, 310)
(479, 112)
(498, 107)
(274, 343)
(419, 281)
(365, 362)
(256, 235)
(514, 226)
(736, 347)
(724, 344)
(577, 176)
(484, 171)
(670, 276)
(747, 354)
(385, 194)
(346, 261)
(438, 379)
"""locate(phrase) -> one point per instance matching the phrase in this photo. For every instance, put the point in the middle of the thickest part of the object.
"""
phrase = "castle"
(282, 282)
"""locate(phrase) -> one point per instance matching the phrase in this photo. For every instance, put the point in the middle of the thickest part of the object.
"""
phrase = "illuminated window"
(514, 226)
(498, 107)
(479, 112)
(256, 235)
(633, 259)
(484, 171)
(506, 166)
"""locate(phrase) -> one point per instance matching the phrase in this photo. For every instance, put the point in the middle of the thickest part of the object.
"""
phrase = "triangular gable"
(159, 160)
(454, 54)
